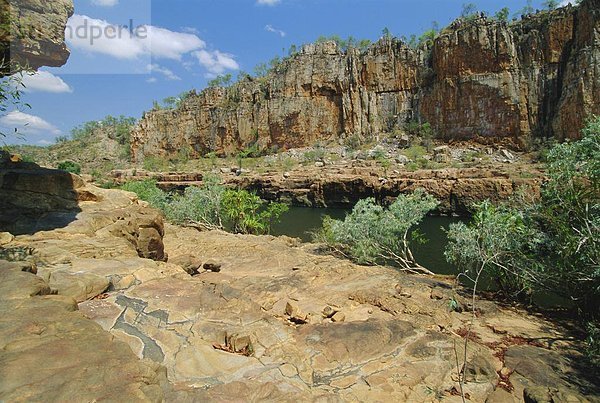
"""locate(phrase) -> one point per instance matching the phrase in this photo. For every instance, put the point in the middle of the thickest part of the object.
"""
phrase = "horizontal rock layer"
(456, 189)
(538, 77)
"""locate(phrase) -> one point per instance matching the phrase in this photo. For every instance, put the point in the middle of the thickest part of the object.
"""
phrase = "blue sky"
(194, 40)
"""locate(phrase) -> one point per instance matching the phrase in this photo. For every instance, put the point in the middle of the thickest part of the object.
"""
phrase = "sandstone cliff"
(32, 33)
(537, 77)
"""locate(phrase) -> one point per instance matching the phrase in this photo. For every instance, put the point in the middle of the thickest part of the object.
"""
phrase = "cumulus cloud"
(105, 3)
(279, 32)
(99, 36)
(216, 62)
(44, 81)
(26, 124)
(167, 73)
(172, 45)
(268, 2)
(146, 43)
(566, 2)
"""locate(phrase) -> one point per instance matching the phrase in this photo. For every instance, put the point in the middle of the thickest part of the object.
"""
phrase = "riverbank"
(237, 317)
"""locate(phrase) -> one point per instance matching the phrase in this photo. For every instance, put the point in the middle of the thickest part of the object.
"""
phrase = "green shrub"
(551, 244)
(499, 241)
(70, 166)
(415, 152)
(198, 205)
(502, 14)
(247, 213)
(212, 206)
(352, 142)
(28, 158)
(288, 163)
(314, 155)
(378, 155)
(374, 234)
(593, 342)
(149, 192)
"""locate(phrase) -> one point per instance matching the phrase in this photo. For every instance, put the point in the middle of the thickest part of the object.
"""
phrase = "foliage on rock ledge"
(212, 206)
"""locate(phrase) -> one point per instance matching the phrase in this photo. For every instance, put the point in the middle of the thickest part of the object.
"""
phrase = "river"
(300, 222)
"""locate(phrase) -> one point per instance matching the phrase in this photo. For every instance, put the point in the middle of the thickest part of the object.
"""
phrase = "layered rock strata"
(456, 189)
(482, 78)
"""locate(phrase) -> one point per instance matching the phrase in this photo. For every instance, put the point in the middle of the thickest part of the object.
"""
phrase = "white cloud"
(27, 124)
(565, 2)
(279, 32)
(99, 36)
(172, 45)
(105, 3)
(155, 68)
(151, 80)
(44, 81)
(268, 2)
(216, 62)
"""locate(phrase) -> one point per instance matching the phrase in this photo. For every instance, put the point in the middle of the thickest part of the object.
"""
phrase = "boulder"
(402, 159)
(338, 317)
(442, 154)
(6, 238)
(189, 263)
(404, 141)
(79, 286)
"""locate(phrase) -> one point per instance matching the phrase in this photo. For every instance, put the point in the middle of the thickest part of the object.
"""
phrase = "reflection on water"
(300, 222)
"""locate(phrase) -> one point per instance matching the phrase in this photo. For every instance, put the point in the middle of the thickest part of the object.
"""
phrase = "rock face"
(33, 33)
(34, 199)
(457, 189)
(269, 319)
(486, 79)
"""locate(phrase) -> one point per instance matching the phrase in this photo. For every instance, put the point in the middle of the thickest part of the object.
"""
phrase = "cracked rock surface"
(262, 328)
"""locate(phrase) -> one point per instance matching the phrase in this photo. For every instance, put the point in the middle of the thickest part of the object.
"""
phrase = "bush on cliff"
(373, 234)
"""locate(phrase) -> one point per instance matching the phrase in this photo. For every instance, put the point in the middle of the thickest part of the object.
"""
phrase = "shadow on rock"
(36, 199)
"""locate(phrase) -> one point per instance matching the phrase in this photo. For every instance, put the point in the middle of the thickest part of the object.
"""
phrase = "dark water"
(300, 222)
